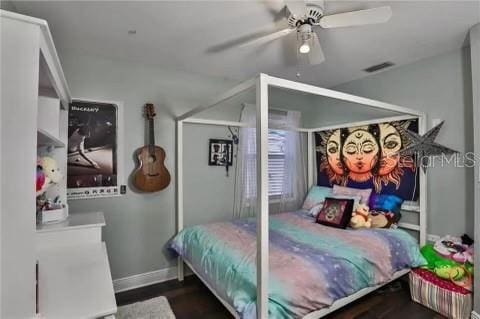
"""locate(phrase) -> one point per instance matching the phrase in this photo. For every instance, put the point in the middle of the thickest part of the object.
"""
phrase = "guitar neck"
(151, 133)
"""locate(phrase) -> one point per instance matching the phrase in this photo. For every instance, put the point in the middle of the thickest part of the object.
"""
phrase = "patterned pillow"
(348, 191)
(336, 212)
(316, 196)
(317, 208)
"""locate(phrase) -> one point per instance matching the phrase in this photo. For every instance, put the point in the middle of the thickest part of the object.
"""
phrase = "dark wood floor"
(191, 299)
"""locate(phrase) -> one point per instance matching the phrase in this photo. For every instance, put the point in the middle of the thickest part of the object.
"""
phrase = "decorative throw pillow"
(349, 191)
(336, 212)
(316, 196)
(317, 208)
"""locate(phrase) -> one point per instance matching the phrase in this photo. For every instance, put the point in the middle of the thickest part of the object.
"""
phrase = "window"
(276, 162)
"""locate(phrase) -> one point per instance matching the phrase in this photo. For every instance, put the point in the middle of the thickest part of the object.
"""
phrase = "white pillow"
(356, 199)
(315, 210)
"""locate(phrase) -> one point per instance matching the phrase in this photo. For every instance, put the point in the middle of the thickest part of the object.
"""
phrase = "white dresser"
(74, 279)
(74, 273)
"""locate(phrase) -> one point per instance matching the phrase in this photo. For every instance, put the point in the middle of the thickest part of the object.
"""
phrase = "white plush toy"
(51, 174)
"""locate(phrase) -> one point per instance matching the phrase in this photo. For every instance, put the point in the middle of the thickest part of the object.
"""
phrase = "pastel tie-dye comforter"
(311, 265)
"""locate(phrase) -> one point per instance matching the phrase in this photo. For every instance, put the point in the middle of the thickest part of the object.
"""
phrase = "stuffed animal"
(361, 217)
(383, 219)
(379, 220)
(452, 248)
(447, 269)
(40, 177)
(48, 173)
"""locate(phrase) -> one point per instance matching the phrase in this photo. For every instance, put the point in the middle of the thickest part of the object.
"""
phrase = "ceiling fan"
(304, 16)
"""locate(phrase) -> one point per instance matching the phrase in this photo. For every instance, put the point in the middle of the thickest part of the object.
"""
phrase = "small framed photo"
(220, 152)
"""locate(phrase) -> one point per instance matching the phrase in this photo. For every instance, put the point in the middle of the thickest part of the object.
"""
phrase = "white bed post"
(310, 159)
(262, 196)
(422, 129)
(179, 183)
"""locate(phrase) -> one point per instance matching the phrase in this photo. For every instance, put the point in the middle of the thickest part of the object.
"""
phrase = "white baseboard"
(475, 315)
(145, 279)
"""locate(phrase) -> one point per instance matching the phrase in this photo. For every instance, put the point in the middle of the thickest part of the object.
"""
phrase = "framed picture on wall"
(220, 152)
(94, 153)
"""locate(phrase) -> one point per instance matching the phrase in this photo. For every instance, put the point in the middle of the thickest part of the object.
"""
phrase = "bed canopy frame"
(262, 84)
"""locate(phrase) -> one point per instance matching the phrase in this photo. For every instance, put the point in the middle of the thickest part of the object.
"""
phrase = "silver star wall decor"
(424, 146)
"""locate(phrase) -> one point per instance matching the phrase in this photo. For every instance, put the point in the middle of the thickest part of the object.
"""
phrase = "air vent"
(378, 67)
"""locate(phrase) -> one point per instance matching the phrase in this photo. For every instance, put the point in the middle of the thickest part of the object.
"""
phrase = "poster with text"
(93, 150)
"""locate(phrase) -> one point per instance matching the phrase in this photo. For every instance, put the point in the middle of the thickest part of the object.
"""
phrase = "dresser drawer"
(78, 229)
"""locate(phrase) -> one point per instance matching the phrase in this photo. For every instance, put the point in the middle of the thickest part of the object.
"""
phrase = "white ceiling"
(186, 35)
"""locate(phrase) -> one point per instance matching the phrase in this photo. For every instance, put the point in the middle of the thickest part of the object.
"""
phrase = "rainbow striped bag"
(440, 295)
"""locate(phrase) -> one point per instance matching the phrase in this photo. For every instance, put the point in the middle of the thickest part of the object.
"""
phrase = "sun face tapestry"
(368, 157)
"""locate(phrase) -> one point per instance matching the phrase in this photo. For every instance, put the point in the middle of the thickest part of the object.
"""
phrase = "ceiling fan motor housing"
(314, 10)
(304, 32)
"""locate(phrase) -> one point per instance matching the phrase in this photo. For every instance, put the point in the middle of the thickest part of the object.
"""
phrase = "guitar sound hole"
(151, 159)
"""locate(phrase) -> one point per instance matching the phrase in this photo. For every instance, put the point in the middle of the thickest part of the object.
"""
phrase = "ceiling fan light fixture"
(304, 35)
(304, 48)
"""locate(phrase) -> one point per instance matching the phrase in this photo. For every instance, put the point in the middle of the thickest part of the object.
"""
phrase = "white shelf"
(76, 282)
(75, 221)
(412, 209)
(46, 139)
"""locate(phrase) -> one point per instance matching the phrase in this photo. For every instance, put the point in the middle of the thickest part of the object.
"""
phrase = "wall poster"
(95, 140)
(367, 157)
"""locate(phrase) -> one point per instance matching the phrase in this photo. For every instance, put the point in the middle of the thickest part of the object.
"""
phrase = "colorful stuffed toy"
(48, 173)
(379, 220)
(361, 217)
(40, 177)
(445, 268)
(452, 248)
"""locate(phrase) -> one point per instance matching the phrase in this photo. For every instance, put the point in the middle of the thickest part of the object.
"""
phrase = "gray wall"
(475, 54)
(441, 87)
(8, 5)
(139, 225)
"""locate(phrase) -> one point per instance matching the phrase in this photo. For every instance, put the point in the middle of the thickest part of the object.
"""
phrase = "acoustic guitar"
(151, 175)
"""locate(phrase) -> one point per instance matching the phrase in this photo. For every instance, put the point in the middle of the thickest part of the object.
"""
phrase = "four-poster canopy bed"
(263, 86)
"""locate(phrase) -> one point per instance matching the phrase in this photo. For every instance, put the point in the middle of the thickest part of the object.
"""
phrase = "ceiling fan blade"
(275, 8)
(356, 18)
(315, 56)
(242, 41)
(268, 37)
(296, 7)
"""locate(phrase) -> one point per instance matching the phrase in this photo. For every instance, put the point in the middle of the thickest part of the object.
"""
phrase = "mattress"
(311, 265)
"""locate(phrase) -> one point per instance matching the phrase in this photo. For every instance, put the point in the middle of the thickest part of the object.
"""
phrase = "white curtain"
(293, 187)
(295, 166)
(246, 170)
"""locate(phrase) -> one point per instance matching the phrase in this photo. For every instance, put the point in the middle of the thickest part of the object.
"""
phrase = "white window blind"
(276, 163)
